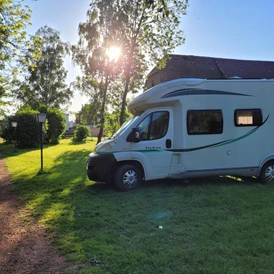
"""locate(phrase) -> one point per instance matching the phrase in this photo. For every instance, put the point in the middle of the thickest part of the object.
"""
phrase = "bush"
(81, 133)
(8, 132)
(26, 134)
(27, 131)
(56, 124)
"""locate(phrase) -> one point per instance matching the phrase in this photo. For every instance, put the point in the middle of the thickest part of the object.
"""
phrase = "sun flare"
(113, 53)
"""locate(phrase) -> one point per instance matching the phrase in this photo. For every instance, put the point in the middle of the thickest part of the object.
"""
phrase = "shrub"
(56, 125)
(26, 134)
(27, 131)
(8, 132)
(81, 133)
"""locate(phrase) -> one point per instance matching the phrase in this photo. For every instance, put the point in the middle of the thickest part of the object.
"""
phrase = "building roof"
(189, 66)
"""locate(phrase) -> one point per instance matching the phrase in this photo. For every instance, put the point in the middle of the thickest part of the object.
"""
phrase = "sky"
(240, 29)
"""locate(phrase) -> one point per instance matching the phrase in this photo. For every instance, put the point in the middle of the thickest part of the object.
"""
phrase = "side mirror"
(134, 136)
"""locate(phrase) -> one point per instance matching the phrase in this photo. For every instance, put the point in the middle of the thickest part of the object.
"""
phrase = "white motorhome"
(189, 128)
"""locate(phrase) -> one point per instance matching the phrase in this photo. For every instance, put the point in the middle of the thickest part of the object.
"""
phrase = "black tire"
(128, 177)
(267, 173)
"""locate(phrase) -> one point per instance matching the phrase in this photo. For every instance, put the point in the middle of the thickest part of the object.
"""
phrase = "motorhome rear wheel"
(267, 173)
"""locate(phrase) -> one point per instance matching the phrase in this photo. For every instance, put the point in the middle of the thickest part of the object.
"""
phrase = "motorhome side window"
(204, 122)
(248, 117)
(154, 126)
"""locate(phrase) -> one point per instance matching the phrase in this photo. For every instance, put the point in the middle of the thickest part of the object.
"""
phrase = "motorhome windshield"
(125, 125)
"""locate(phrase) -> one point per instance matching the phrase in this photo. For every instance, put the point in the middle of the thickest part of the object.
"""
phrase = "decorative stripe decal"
(223, 142)
(197, 148)
(143, 151)
(194, 91)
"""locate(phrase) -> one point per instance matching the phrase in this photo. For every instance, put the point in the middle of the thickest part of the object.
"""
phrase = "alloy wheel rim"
(269, 174)
(130, 179)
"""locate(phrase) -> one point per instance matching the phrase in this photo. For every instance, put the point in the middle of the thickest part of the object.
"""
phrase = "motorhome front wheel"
(127, 177)
(267, 173)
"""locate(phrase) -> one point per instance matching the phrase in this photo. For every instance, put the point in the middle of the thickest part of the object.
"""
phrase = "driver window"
(154, 126)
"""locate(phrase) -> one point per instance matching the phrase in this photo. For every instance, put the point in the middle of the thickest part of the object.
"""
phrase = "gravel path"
(24, 245)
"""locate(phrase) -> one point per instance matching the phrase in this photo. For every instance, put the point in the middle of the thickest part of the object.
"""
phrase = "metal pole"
(15, 139)
(41, 146)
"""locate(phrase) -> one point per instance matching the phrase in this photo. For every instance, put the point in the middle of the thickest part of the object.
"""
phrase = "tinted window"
(204, 122)
(154, 126)
(248, 117)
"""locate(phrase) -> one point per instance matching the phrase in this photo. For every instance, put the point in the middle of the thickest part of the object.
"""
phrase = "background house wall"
(68, 122)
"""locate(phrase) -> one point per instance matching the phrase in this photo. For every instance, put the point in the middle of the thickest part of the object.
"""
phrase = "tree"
(14, 18)
(89, 114)
(56, 125)
(98, 67)
(146, 30)
(151, 33)
(112, 122)
(44, 82)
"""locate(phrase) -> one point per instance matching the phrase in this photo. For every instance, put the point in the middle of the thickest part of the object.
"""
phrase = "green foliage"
(56, 125)
(147, 31)
(27, 131)
(8, 132)
(99, 70)
(112, 122)
(89, 114)
(81, 133)
(45, 78)
(14, 18)
(26, 134)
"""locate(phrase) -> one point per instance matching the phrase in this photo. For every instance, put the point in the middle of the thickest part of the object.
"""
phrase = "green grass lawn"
(216, 225)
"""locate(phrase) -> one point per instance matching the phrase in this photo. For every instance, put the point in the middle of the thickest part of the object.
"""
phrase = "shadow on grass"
(8, 150)
(202, 181)
(57, 183)
(75, 143)
(92, 222)
(87, 141)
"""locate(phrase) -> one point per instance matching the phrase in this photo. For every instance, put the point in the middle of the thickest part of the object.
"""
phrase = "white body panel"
(236, 151)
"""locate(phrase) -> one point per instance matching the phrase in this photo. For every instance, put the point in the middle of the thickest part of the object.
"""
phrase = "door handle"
(168, 143)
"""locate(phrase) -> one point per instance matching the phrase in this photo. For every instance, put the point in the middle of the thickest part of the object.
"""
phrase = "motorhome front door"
(156, 138)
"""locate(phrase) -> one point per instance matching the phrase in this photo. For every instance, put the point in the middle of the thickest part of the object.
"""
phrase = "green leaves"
(56, 125)
(14, 18)
(45, 76)
(81, 133)
(146, 30)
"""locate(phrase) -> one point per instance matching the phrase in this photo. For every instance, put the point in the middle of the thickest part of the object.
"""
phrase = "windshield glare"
(125, 125)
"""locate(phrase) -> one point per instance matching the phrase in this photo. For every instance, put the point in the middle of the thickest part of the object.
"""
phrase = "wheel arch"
(265, 160)
(267, 172)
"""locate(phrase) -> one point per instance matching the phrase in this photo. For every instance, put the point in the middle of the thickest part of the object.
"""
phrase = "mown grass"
(216, 225)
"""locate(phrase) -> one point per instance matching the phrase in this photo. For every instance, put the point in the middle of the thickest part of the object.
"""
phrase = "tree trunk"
(100, 134)
(123, 107)
(102, 113)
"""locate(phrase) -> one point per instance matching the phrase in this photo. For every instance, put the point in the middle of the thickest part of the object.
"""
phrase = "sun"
(113, 53)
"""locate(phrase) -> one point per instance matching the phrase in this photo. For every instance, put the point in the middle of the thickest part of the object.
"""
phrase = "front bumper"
(99, 167)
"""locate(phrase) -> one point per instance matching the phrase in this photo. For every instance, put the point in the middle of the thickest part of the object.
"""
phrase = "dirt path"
(24, 247)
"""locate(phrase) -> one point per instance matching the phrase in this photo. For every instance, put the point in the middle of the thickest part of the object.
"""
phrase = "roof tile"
(190, 66)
